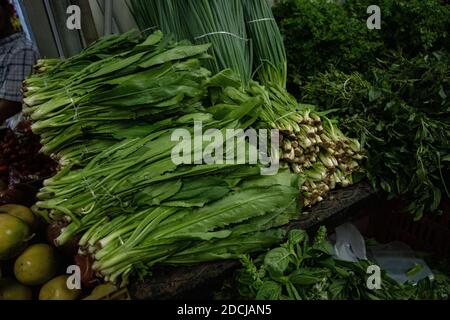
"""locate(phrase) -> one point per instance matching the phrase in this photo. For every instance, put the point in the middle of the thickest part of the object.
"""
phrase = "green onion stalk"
(219, 23)
(153, 15)
(270, 61)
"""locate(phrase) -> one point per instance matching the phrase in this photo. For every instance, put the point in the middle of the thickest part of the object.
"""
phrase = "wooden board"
(172, 282)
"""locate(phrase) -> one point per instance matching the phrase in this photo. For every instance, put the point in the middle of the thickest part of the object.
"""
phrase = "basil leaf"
(269, 290)
(304, 278)
(277, 261)
(296, 237)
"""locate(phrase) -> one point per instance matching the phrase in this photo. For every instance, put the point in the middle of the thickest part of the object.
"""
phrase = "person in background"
(17, 58)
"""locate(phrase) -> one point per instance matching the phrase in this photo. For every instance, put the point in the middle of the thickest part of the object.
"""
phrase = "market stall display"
(131, 204)
(202, 145)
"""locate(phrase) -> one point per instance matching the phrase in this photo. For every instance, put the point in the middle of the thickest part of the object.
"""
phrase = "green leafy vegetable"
(316, 275)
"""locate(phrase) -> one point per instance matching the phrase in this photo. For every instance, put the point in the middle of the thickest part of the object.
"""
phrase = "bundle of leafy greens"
(110, 121)
(321, 34)
(270, 61)
(304, 269)
(136, 207)
(310, 142)
(131, 165)
(222, 223)
(403, 119)
(93, 100)
(132, 203)
(390, 89)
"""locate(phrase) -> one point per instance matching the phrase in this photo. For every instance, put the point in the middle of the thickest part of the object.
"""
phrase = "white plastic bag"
(396, 258)
(12, 122)
(399, 260)
(350, 244)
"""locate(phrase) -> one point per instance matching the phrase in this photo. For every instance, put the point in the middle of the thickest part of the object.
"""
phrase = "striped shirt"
(17, 57)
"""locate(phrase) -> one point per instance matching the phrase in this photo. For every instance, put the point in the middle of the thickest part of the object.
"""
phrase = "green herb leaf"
(277, 261)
